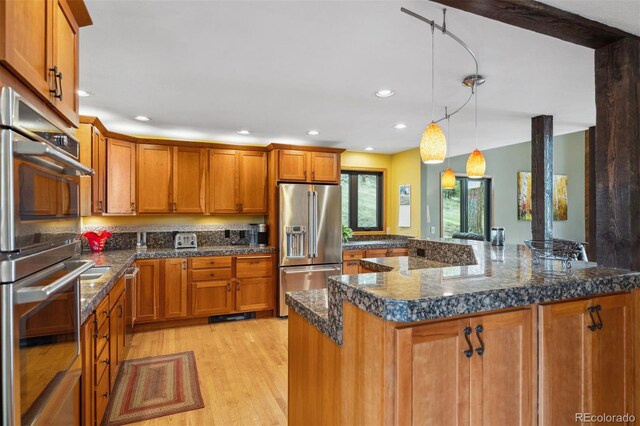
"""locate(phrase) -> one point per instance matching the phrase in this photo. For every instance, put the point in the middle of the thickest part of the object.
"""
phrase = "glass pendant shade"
(476, 165)
(448, 180)
(433, 145)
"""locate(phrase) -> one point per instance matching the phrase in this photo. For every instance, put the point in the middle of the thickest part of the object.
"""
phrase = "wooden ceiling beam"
(544, 19)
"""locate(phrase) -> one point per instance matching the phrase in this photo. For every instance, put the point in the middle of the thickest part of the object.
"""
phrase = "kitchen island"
(492, 339)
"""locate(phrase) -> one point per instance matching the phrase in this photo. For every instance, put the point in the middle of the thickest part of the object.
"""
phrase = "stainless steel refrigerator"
(310, 237)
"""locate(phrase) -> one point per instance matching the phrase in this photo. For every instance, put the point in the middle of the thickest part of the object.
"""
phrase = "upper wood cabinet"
(586, 358)
(189, 169)
(39, 43)
(477, 370)
(93, 153)
(237, 181)
(121, 177)
(171, 179)
(308, 166)
(153, 172)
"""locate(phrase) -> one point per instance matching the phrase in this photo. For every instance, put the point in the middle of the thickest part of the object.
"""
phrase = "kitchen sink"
(95, 272)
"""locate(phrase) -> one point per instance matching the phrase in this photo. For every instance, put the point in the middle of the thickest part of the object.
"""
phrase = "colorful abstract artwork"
(560, 196)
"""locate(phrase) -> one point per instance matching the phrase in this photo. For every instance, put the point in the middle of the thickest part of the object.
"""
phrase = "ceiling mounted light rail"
(433, 142)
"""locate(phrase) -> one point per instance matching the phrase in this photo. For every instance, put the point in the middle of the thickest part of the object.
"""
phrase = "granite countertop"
(92, 292)
(417, 289)
(374, 244)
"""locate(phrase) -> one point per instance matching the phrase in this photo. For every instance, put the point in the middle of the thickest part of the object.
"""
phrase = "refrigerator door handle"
(312, 225)
(315, 223)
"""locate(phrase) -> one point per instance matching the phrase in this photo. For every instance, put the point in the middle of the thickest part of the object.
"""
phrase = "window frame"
(464, 225)
(353, 198)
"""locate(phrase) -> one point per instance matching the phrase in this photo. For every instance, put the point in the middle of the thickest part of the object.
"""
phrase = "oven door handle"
(31, 148)
(41, 293)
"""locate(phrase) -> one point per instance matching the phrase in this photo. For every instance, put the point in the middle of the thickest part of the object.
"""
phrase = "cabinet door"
(189, 167)
(211, 298)
(325, 167)
(116, 339)
(65, 58)
(376, 253)
(121, 177)
(147, 289)
(252, 181)
(223, 181)
(611, 356)
(292, 165)
(153, 173)
(254, 294)
(87, 342)
(502, 375)
(564, 339)
(432, 374)
(122, 327)
(99, 164)
(175, 288)
(26, 48)
(350, 267)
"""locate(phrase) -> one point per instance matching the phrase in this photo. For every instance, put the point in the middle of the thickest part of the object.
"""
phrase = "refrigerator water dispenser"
(295, 241)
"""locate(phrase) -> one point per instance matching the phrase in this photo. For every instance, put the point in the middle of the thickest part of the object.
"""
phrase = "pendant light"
(448, 179)
(476, 165)
(433, 144)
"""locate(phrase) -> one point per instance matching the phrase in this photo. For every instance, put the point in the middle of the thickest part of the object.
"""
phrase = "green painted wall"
(502, 166)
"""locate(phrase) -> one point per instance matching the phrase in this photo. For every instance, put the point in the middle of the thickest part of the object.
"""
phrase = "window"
(362, 200)
(467, 207)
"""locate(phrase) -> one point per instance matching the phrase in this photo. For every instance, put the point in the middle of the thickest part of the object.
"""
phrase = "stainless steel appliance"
(263, 234)
(185, 240)
(39, 281)
(310, 237)
(131, 277)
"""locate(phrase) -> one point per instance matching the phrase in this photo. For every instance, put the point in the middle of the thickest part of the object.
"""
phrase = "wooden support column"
(542, 177)
(617, 154)
(590, 192)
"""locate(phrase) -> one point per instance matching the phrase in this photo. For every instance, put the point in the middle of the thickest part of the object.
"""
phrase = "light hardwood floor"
(242, 367)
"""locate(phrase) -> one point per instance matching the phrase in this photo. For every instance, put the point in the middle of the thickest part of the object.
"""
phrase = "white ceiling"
(205, 69)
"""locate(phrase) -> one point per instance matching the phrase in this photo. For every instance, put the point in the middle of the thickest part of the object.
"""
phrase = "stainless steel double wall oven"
(39, 236)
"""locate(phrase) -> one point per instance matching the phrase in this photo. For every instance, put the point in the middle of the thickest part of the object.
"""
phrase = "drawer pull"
(479, 330)
(105, 395)
(469, 351)
(106, 361)
(229, 287)
(106, 337)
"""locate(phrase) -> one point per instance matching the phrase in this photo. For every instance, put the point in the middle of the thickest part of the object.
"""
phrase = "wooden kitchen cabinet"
(211, 298)
(586, 358)
(93, 153)
(174, 286)
(120, 177)
(87, 352)
(39, 44)
(350, 267)
(477, 370)
(351, 262)
(148, 290)
(153, 172)
(189, 170)
(237, 181)
(117, 328)
(308, 166)
(254, 294)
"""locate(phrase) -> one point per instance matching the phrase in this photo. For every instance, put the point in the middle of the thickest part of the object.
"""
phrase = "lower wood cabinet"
(477, 370)
(254, 294)
(148, 290)
(586, 363)
(102, 340)
(351, 258)
(174, 287)
(211, 298)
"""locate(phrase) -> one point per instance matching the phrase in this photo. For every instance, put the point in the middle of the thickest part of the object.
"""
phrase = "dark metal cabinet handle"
(469, 351)
(133, 207)
(595, 325)
(121, 311)
(100, 205)
(56, 91)
(106, 361)
(313, 175)
(479, 330)
(106, 337)
(59, 76)
(105, 395)
(229, 287)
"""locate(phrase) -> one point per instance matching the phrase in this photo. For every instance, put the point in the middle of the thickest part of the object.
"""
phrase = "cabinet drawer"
(352, 254)
(102, 365)
(395, 252)
(254, 267)
(102, 338)
(210, 274)
(115, 293)
(102, 398)
(102, 312)
(377, 253)
(211, 262)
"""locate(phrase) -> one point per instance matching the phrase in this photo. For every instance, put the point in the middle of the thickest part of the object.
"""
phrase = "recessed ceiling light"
(142, 118)
(243, 132)
(83, 94)
(313, 132)
(384, 93)
(369, 148)
(400, 126)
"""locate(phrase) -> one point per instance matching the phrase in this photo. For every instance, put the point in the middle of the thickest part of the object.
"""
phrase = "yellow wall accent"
(405, 170)
(170, 220)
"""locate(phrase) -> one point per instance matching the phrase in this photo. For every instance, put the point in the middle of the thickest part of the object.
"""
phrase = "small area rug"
(157, 386)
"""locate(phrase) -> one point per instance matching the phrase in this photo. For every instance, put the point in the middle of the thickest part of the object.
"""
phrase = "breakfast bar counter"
(423, 335)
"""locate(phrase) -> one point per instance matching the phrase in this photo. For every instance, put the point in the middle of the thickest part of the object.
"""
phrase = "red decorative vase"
(96, 240)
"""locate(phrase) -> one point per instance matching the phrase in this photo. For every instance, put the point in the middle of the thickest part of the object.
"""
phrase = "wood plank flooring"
(242, 367)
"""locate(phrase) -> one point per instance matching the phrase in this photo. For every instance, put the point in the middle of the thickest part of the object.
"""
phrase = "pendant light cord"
(476, 114)
(433, 76)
